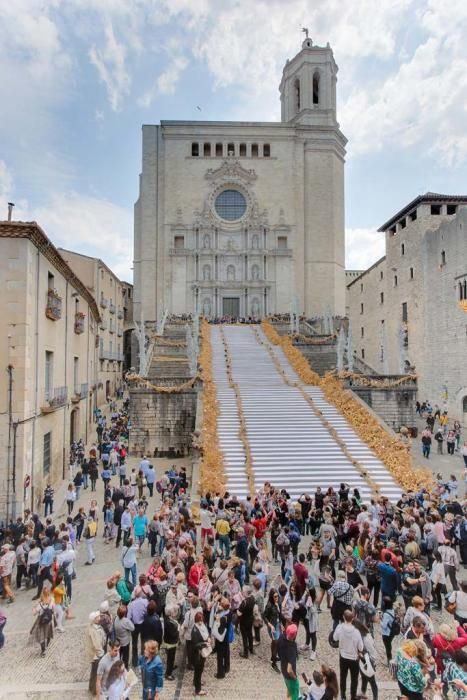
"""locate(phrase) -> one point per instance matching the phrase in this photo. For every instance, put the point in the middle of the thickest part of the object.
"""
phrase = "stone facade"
(163, 423)
(49, 325)
(108, 292)
(246, 218)
(406, 310)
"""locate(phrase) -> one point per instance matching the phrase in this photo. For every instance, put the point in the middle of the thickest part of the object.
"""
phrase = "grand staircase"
(290, 444)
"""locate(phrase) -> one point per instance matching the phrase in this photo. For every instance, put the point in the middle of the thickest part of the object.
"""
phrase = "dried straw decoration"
(212, 473)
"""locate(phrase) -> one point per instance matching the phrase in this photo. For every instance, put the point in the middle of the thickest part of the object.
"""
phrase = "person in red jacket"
(196, 574)
(447, 641)
(260, 525)
(301, 575)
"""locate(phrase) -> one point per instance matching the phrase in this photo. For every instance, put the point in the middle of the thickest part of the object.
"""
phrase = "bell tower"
(308, 98)
(308, 86)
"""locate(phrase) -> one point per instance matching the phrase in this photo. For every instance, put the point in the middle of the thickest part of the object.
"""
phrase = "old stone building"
(407, 311)
(49, 357)
(111, 298)
(246, 218)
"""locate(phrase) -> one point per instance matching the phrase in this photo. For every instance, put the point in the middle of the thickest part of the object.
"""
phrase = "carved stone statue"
(140, 334)
(230, 273)
(206, 241)
(206, 272)
(255, 307)
(255, 241)
(206, 307)
(255, 272)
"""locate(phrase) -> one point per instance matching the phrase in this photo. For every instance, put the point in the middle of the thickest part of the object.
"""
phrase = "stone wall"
(162, 423)
(396, 406)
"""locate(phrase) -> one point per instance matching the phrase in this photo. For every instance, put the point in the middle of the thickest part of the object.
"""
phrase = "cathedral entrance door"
(231, 306)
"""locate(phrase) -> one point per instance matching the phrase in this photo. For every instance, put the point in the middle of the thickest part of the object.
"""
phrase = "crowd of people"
(268, 571)
(440, 430)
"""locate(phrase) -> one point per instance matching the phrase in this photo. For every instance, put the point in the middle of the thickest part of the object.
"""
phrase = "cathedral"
(246, 218)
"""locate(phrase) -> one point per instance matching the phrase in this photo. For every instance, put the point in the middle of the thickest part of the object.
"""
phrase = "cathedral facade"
(246, 218)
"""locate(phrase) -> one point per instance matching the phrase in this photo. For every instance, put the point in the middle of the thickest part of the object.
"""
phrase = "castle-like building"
(246, 218)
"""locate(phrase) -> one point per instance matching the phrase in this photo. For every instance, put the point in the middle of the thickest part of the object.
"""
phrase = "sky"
(78, 78)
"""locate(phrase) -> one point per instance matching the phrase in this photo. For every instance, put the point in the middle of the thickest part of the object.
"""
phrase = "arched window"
(297, 94)
(207, 272)
(316, 88)
(231, 273)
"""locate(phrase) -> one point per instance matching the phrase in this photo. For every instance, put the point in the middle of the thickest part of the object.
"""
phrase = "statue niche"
(207, 273)
(255, 241)
(230, 273)
(255, 272)
(207, 241)
(206, 307)
(255, 307)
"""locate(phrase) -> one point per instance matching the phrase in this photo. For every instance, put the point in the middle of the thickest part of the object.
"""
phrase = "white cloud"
(92, 226)
(363, 247)
(166, 82)
(424, 100)
(109, 61)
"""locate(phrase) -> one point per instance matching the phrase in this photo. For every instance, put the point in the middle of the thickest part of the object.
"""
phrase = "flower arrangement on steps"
(212, 472)
(330, 428)
(242, 433)
(393, 453)
(294, 356)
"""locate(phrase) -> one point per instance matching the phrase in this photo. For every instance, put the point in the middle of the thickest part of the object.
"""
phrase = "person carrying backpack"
(390, 626)
(90, 532)
(42, 630)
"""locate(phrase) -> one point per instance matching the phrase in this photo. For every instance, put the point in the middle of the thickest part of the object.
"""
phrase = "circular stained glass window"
(230, 205)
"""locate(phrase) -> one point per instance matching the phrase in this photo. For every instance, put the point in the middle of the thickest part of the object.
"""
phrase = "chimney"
(10, 210)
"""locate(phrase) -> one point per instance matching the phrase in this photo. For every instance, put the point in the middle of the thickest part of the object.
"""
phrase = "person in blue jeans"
(128, 559)
(152, 671)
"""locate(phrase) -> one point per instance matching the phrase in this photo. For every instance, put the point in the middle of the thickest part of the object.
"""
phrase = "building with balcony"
(242, 218)
(107, 290)
(48, 325)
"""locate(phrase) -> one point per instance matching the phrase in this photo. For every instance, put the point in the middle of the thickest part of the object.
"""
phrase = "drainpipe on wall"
(10, 431)
(36, 384)
(65, 411)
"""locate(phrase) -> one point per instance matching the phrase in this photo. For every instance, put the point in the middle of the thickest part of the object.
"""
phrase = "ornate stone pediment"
(231, 169)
